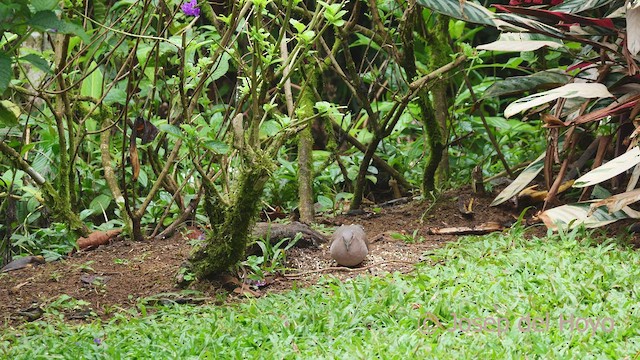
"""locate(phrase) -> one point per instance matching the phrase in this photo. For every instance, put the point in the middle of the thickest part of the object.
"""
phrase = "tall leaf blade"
(92, 84)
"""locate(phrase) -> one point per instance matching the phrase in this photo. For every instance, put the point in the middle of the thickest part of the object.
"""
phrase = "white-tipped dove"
(349, 246)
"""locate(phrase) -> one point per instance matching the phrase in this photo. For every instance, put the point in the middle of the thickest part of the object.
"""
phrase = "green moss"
(227, 242)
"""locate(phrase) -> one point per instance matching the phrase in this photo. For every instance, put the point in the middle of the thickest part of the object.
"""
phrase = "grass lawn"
(500, 296)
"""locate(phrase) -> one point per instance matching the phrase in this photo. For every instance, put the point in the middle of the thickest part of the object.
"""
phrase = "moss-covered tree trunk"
(305, 149)
(435, 114)
(60, 208)
(228, 239)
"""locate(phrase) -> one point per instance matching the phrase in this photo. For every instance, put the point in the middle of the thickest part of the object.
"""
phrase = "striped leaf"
(463, 10)
(521, 42)
(530, 24)
(613, 168)
(518, 84)
(521, 182)
(576, 6)
(569, 216)
(619, 201)
(573, 90)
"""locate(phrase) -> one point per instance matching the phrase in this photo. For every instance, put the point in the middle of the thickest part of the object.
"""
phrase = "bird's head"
(347, 236)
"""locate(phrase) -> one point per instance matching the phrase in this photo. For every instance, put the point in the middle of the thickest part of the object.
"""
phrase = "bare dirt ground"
(122, 274)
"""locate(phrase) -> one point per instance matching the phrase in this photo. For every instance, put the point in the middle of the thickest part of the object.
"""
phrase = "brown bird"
(349, 246)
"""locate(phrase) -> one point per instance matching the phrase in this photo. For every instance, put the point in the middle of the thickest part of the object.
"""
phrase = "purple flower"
(191, 8)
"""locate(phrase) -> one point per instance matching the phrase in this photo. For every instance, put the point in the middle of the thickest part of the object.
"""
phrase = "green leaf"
(297, 25)
(364, 41)
(9, 113)
(307, 36)
(5, 72)
(115, 96)
(99, 9)
(221, 67)
(217, 147)
(325, 202)
(41, 5)
(11, 131)
(45, 20)
(172, 130)
(92, 84)
(48, 21)
(38, 61)
(100, 203)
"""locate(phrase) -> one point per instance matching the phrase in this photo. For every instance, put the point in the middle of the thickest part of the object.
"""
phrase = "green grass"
(499, 276)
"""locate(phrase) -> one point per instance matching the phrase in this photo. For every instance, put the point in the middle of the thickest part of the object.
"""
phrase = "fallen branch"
(97, 238)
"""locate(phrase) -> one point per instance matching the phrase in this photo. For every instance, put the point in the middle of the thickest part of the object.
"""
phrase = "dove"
(349, 246)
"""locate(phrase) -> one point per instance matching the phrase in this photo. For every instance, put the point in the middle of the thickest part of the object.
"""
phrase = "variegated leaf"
(518, 84)
(584, 90)
(614, 167)
(569, 216)
(521, 182)
(618, 201)
(633, 180)
(531, 24)
(520, 42)
(468, 10)
(518, 46)
(576, 6)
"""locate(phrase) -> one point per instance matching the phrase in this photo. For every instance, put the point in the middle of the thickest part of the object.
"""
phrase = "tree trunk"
(358, 192)
(305, 150)
(227, 242)
(435, 114)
